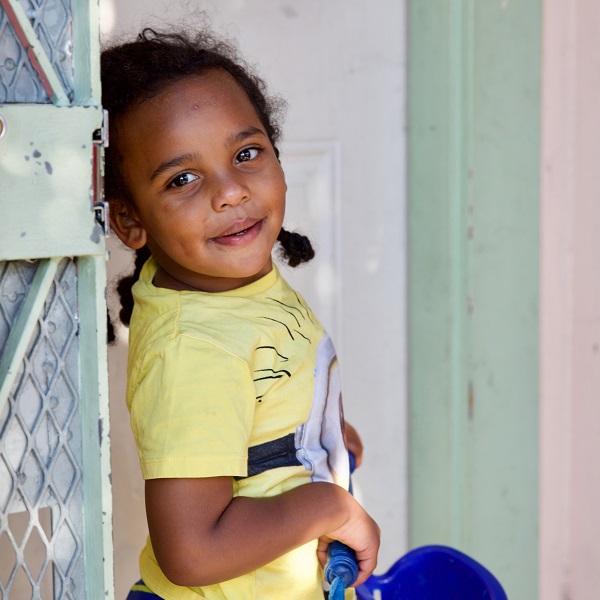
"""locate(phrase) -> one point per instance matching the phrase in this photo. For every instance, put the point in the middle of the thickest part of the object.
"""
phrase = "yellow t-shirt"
(245, 384)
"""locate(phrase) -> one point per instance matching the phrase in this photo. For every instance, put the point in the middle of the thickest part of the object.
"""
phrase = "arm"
(202, 535)
(353, 443)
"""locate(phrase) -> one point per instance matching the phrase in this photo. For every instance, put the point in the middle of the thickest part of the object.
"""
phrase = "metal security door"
(55, 495)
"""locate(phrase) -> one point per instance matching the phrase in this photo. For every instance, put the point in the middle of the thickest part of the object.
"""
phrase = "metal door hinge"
(101, 213)
(100, 206)
(100, 136)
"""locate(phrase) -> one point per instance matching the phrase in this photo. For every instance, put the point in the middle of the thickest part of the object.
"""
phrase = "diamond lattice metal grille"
(41, 526)
(51, 20)
(18, 80)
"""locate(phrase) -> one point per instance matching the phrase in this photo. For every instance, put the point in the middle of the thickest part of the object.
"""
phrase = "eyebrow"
(236, 138)
(174, 162)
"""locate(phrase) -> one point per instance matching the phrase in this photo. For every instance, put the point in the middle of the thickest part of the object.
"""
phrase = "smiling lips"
(240, 233)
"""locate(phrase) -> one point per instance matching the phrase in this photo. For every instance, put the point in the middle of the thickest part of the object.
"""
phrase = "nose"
(230, 190)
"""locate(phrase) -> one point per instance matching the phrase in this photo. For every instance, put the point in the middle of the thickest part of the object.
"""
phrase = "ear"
(126, 224)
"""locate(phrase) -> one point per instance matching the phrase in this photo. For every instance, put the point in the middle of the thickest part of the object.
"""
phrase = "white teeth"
(241, 232)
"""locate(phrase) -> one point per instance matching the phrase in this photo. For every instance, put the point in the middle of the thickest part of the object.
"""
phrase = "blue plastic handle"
(341, 569)
(341, 564)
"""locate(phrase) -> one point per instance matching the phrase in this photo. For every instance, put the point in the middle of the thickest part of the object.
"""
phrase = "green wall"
(474, 152)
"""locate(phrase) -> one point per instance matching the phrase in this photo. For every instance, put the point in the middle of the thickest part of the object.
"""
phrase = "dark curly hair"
(135, 71)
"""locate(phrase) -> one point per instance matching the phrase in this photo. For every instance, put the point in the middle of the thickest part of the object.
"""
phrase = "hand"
(362, 534)
(354, 443)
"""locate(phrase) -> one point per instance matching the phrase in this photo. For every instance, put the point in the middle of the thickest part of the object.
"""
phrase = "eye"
(182, 180)
(247, 154)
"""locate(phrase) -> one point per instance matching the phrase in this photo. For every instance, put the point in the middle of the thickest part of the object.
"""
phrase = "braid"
(111, 336)
(126, 283)
(295, 247)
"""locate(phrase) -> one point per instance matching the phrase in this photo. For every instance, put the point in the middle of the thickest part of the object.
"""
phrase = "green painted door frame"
(54, 421)
(474, 164)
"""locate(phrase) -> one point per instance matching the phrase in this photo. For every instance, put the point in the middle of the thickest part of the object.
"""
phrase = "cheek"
(279, 189)
(279, 206)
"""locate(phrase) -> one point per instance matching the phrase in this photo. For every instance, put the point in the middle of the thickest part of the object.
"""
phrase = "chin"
(253, 269)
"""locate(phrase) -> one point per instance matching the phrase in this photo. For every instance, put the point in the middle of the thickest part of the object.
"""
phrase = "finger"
(322, 548)
(366, 567)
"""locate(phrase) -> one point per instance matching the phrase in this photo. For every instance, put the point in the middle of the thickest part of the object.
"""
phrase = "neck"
(164, 279)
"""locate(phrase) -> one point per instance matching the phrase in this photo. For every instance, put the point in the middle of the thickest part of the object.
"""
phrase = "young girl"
(233, 386)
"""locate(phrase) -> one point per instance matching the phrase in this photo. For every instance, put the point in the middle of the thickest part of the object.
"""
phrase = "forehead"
(213, 99)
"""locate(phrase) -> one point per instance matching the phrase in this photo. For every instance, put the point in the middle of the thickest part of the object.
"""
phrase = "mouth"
(240, 232)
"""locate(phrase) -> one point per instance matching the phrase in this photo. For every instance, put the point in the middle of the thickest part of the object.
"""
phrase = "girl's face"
(208, 190)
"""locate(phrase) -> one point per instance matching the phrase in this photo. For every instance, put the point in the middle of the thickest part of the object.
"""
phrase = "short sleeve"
(192, 408)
